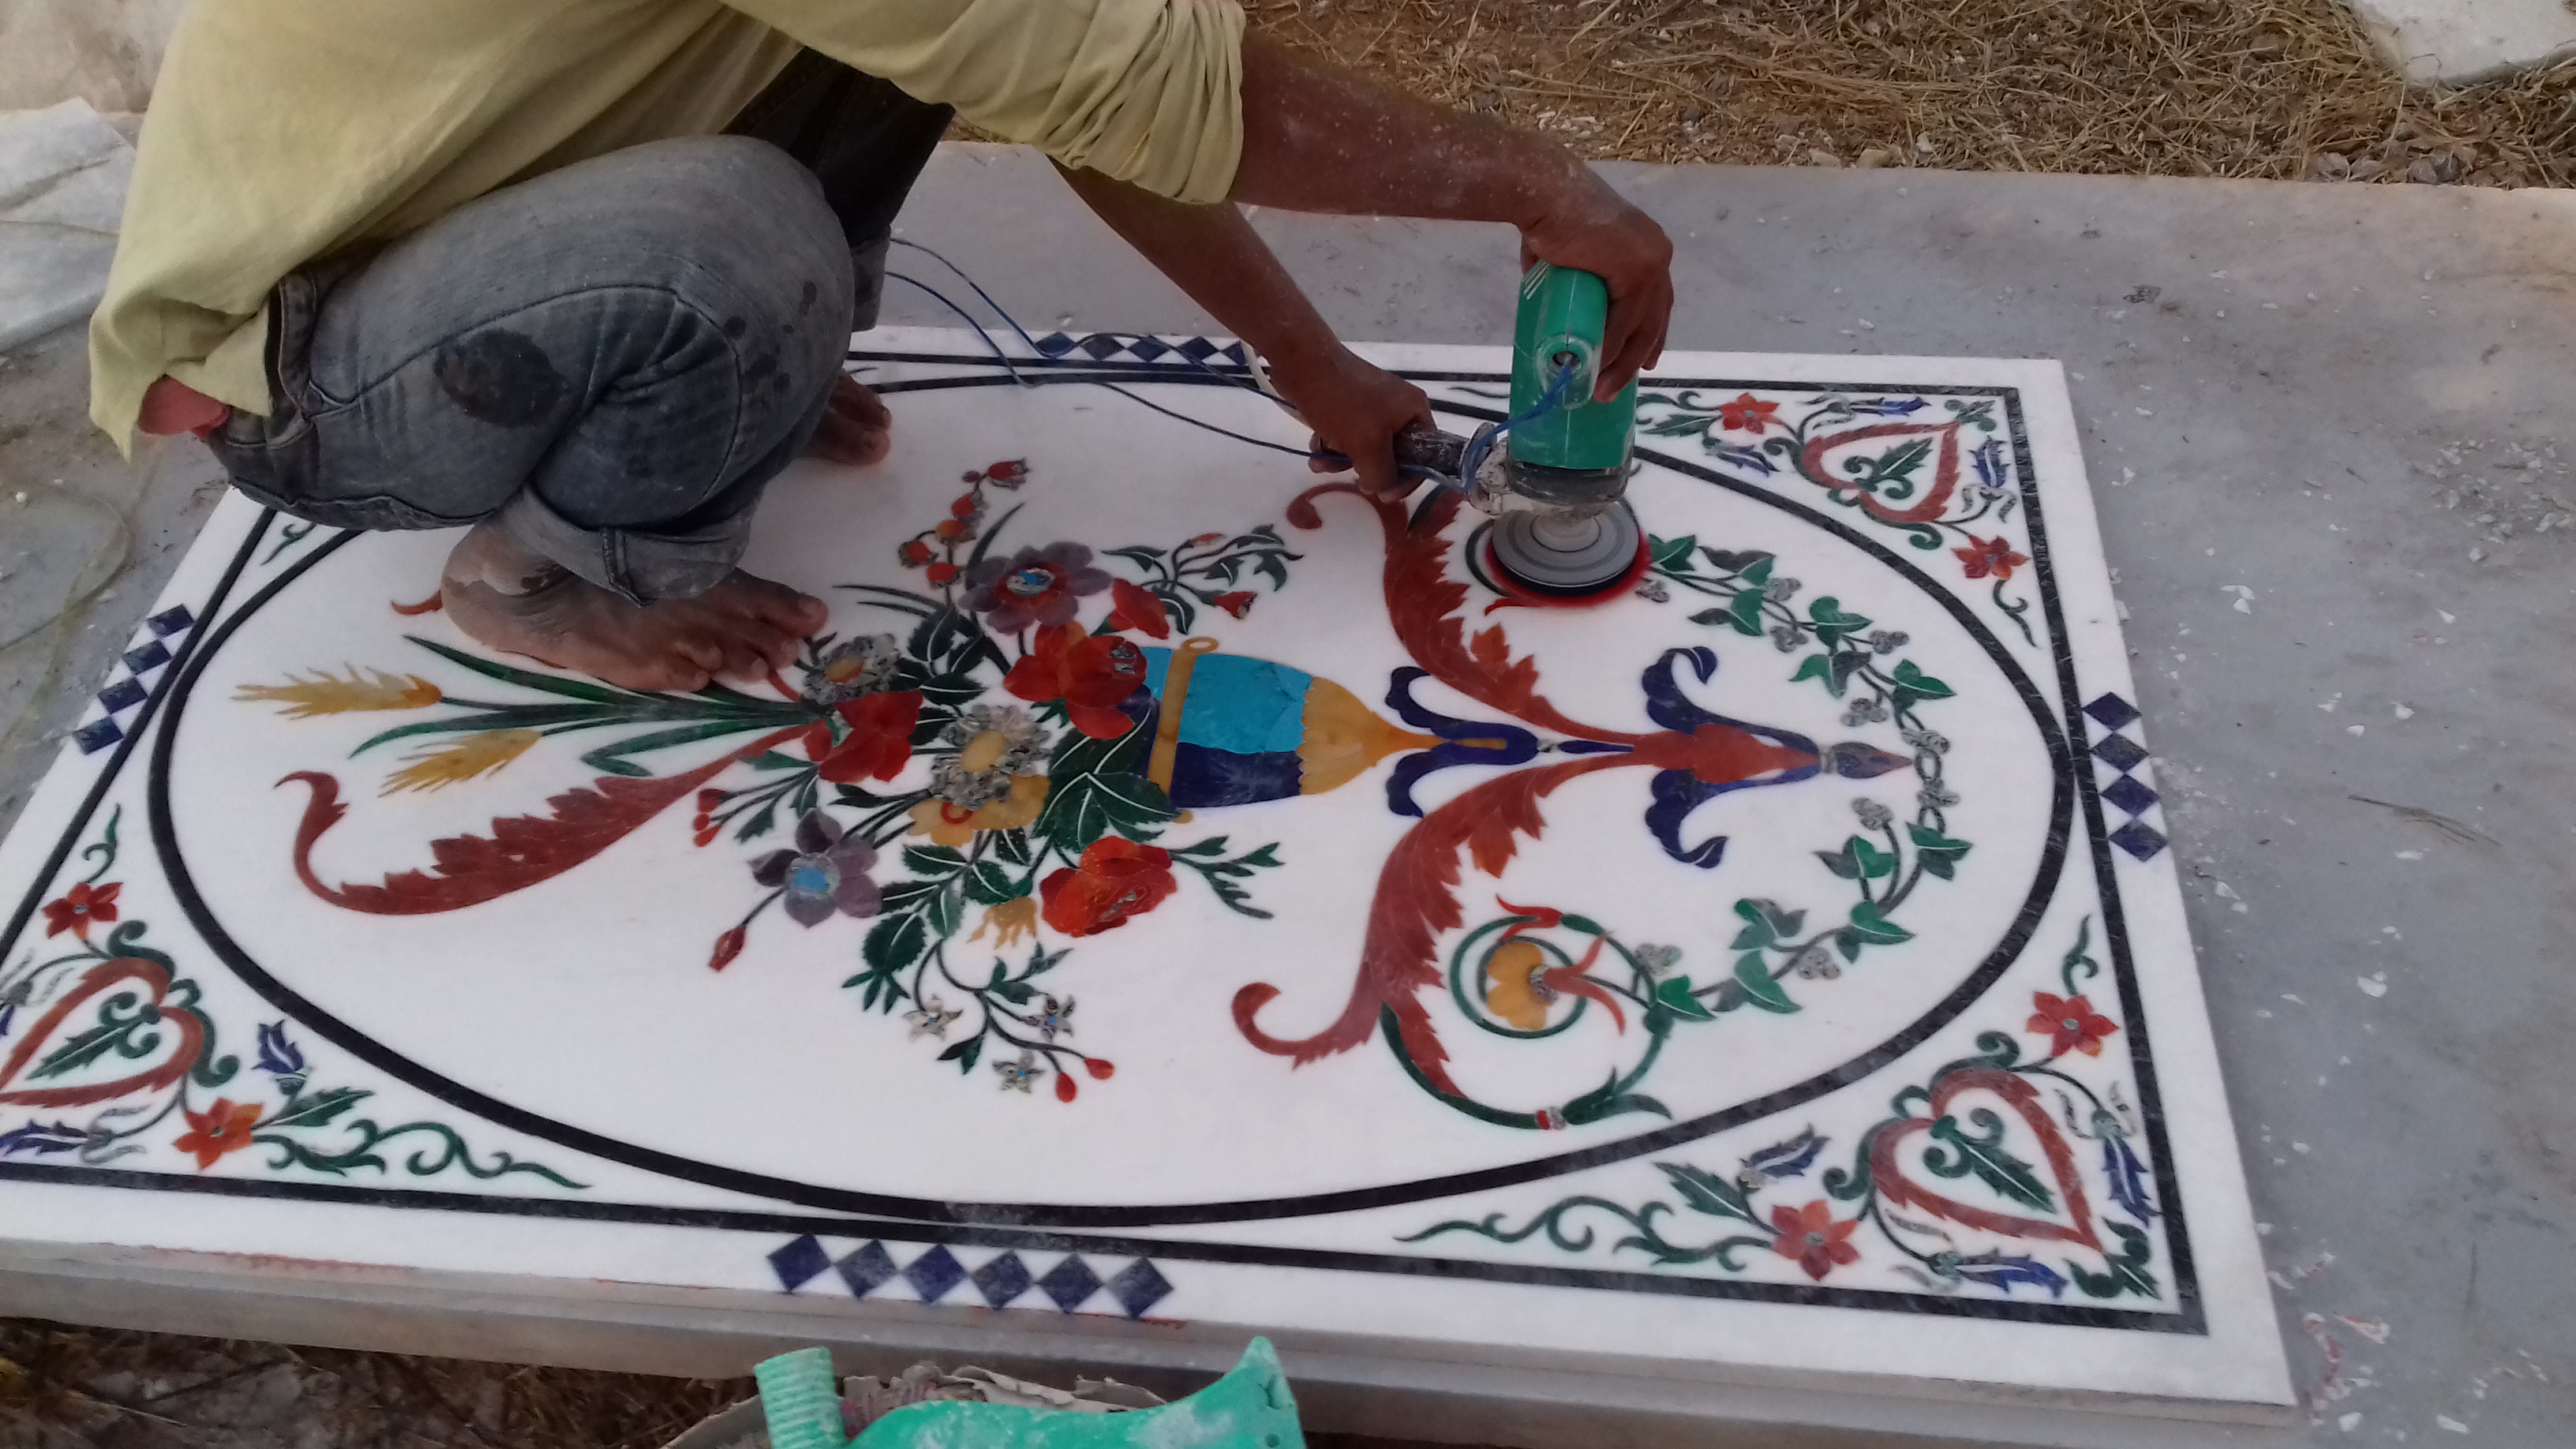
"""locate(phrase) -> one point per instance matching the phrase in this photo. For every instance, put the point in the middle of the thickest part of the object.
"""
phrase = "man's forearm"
(1212, 254)
(1320, 138)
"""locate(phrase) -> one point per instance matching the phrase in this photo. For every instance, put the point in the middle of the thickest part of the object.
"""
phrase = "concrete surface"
(78, 526)
(2322, 427)
(2457, 41)
(63, 175)
(105, 52)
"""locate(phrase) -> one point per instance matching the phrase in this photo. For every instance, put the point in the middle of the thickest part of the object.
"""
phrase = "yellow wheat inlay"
(326, 693)
(476, 754)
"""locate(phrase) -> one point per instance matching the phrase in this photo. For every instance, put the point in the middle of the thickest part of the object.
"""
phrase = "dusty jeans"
(609, 360)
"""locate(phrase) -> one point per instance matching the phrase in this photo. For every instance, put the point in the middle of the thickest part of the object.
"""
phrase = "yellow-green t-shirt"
(281, 130)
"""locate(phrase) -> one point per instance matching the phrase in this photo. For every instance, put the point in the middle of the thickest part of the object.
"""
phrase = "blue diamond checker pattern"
(933, 1274)
(122, 694)
(1138, 1288)
(1070, 1284)
(798, 1262)
(2139, 839)
(2112, 712)
(1103, 346)
(2120, 752)
(867, 1269)
(1002, 1279)
(2129, 795)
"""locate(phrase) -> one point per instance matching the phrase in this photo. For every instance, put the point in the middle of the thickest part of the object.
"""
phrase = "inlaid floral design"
(1036, 586)
(122, 1063)
(80, 908)
(826, 873)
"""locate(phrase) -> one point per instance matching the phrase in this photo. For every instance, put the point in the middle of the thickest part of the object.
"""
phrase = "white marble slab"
(1412, 998)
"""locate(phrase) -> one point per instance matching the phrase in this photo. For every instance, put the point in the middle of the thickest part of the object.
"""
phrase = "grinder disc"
(1566, 557)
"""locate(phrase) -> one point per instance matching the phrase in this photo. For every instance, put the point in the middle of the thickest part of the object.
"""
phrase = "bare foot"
(857, 428)
(521, 603)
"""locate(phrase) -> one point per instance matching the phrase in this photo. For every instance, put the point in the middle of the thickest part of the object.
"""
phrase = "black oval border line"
(1056, 1215)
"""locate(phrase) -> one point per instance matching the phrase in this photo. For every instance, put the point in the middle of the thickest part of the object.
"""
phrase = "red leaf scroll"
(1416, 901)
(521, 850)
(1421, 602)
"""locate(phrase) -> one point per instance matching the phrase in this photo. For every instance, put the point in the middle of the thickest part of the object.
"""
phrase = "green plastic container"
(1249, 1408)
(801, 1400)
(1563, 313)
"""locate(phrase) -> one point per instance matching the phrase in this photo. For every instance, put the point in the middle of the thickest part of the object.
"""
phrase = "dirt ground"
(2285, 89)
(72, 1388)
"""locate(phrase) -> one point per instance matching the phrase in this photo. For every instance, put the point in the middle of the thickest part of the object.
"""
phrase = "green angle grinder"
(1562, 528)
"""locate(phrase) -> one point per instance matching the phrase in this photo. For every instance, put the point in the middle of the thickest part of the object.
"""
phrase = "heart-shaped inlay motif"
(1925, 499)
(1887, 1170)
(189, 1027)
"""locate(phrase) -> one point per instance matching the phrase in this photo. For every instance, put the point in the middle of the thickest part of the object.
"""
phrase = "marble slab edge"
(1344, 1382)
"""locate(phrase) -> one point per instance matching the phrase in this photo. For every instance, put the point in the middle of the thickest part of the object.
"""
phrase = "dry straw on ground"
(67, 1388)
(2244, 88)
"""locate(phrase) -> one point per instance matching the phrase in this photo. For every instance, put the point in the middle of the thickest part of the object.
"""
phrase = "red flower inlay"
(1747, 414)
(1117, 878)
(224, 1127)
(879, 741)
(914, 552)
(81, 906)
(728, 946)
(1810, 1235)
(1985, 556)
(1034, 587)
(942, 572)
(1092, 676)
(1138, 610)
(1238, 603)
(2069, 1022)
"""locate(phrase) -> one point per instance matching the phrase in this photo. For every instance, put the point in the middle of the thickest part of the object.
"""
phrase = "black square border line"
(2190, 1318)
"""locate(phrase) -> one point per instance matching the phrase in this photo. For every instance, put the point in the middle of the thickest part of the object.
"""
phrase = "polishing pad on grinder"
(1565, 554)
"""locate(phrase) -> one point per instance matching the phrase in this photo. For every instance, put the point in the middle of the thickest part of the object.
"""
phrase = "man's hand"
(1356, 410)
(1601, 233)
(1216, 257)
(1320, 138)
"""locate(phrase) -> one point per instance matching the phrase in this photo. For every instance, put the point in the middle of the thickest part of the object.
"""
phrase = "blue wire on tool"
(1482, 443)
(1004, 359)
(1201, 363)
(1479, 445)
(964, 316)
